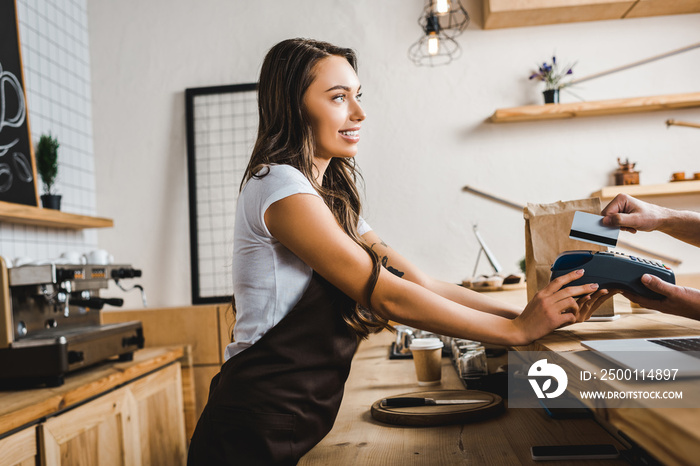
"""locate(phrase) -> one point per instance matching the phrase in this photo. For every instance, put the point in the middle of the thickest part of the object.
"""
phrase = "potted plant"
(47, 166)
(552, 77)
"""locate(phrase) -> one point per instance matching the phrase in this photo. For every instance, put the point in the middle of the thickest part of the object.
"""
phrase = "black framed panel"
(222, 124)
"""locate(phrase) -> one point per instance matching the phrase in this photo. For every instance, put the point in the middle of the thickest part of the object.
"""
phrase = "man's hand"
(631, 214)
(678, 300)
(590, 303)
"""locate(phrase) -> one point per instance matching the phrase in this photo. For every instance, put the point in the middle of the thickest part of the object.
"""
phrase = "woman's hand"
(554, 306)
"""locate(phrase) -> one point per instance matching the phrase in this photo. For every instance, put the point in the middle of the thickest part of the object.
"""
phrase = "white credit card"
(589, 227)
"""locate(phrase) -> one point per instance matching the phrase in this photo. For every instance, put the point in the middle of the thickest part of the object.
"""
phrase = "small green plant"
(47, 161)
(522, 264)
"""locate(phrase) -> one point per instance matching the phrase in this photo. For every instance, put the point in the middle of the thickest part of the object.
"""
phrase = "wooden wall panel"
(192, 325)
(203, 376)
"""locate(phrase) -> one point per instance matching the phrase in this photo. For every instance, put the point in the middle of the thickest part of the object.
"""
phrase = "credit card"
(589, 228)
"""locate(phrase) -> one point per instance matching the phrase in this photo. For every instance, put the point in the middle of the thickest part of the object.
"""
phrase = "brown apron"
(274, 401)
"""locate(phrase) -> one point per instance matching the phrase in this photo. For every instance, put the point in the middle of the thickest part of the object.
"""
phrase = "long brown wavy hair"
(285, 136)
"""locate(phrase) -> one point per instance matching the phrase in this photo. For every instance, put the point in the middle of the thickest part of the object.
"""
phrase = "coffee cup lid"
(425, 344)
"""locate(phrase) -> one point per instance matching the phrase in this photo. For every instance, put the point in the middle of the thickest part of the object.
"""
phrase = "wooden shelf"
(597, 108)
(640, 190)
(28, 215)
(518, 13)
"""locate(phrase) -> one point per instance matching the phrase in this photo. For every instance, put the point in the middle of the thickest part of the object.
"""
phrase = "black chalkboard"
(17, 169)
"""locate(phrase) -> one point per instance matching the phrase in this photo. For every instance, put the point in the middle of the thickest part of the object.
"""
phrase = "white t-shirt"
(268, 279)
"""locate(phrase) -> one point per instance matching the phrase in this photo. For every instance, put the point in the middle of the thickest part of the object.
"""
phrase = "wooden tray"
(424, 416)
(514, 286)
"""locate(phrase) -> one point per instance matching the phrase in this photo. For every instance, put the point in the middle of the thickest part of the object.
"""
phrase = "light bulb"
(433, 43)
(442, 6)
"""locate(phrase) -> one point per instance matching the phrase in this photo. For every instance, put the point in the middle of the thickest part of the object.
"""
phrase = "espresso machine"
(50, 321)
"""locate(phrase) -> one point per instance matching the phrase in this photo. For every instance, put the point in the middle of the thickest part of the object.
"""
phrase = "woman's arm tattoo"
(385, 260)
(398, 273)
(381, 241)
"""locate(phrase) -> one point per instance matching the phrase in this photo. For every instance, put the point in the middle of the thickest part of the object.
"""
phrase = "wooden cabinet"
(161, 424)
(517, 13)
(19, 449)
(118, 414)
(101, 432)
(140, 424)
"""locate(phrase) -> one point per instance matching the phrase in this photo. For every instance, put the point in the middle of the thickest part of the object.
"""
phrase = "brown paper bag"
(547, 228)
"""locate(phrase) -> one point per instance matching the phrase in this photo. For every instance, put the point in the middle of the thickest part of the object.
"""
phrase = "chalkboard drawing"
(5, 177)
(17, 120)
(23, 168)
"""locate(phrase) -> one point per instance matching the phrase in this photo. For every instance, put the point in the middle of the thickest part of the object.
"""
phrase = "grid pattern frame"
(56, 61)
(222, 124)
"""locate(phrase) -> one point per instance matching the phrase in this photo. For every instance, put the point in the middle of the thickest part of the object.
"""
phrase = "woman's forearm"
(472, 299)
(414, 305)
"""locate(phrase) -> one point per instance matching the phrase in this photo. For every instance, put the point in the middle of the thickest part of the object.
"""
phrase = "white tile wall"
(55, 53)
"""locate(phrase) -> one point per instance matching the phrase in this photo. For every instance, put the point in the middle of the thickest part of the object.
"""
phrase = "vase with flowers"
(552, 75)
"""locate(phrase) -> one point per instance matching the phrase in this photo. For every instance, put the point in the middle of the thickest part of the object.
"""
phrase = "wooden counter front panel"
(19, 449)
(161, 420)
(139, 424)
(102, 432)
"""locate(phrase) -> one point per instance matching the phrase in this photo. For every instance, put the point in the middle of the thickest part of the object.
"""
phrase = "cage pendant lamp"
(441, 21)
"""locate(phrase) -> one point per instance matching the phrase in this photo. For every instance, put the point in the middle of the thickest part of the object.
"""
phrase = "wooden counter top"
(670, 435)
(636, 325)
(356, 438)
(22, 407)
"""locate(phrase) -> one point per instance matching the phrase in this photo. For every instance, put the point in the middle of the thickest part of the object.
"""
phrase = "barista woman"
(311, 278)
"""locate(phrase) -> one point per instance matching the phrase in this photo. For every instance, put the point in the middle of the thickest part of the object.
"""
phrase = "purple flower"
(552, 74)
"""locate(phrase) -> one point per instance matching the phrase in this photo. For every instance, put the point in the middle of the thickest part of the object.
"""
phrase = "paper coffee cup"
(427, 357)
